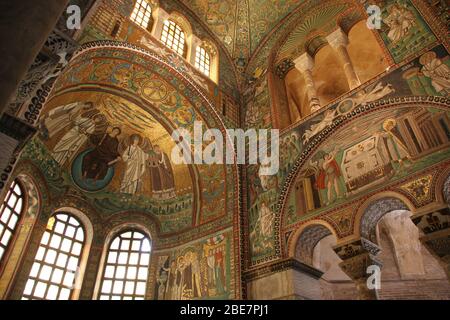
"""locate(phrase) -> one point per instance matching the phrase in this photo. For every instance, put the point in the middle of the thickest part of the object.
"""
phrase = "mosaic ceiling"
(241, 24)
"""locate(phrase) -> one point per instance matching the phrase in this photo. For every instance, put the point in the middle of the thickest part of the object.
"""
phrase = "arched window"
(57, 261)
(126, 267)
(203, 61)
(142, 13)
(10, 214)
(173, 37)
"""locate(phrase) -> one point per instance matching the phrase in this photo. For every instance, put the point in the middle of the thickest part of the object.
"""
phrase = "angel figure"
(61, 118)
(327, 120)
(134, 152)
(84, 125)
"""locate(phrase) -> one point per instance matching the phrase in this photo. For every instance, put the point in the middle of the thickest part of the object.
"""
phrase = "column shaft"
(305, 65)
(338, 40)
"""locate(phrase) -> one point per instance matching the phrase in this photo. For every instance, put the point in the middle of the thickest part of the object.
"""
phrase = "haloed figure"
(105, 154)
(135, 159)
(76, 137)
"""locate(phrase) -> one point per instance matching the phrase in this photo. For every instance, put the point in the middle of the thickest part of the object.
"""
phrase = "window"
(126, 267)
(142, 13)
(52, 276)
(10, 214)
(203, 61)
(173, 37)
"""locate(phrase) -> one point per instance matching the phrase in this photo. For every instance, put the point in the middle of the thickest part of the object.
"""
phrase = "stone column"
(357, 256)
(435, 226)
(305, 64)
(338, 40)
(161, 17)
(25, 27)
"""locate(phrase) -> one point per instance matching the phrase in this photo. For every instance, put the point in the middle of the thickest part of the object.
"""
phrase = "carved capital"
(436, 228)
(356, 267)
(304, 63)
(355, 248)
(432, 222)
(357, 256)
(337, 39)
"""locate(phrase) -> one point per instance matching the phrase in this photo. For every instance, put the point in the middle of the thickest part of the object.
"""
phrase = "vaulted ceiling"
(241, 24)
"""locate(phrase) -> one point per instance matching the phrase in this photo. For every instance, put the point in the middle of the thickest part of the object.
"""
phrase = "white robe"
(439, 73)
(73, 140)
(266, 221)
(60, 118)
(135, 159)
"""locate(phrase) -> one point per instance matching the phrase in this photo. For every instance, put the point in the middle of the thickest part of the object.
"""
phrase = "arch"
(19, 243)
(374, 209)
(143, 13)
(60, 261)
(183, 22)
(329, 130)
(89, 236)
(114, 233)
(213, 52)
(304, 240)
(13, 210)
(32, 194)
(180, 40)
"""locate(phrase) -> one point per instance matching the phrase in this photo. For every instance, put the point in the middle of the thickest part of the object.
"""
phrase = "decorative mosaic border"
(326, 133)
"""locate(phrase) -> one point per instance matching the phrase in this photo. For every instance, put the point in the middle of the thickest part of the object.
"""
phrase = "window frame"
(200, 64)
(81, 256)
(150, 21)
(15, 234)
(167, 25)
(105, 263)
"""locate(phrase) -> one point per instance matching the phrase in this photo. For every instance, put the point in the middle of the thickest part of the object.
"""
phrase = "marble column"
(305, 64)
(338, 40)
(25, 27)
(357, 256)
(435, 226)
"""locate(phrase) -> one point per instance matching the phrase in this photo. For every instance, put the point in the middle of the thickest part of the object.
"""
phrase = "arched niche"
(328, 74)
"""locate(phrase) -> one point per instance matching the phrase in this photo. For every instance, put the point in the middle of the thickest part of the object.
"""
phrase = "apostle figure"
(210, 261)
(172, 282)
(163, 183)
(162, 278)
(179, 278)
(196, 275)
(76, 137)
(400, 20)
(187, 284)
(437, 71)
(105, 154)
(135, 159)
